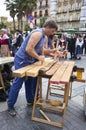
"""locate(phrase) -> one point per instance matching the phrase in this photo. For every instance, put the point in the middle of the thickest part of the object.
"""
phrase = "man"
(17, 41)
(72, 46)
(30, 52)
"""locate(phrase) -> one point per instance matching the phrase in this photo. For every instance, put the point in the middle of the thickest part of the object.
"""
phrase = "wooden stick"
(44, 115)
(42, 53)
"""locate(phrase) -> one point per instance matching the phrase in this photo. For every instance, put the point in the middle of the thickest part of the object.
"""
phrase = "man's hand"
(41, 58)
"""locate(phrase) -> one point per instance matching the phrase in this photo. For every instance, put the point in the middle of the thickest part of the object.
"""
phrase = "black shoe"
(79, 58)
(12, 111)
(70, 58)
(29, 103)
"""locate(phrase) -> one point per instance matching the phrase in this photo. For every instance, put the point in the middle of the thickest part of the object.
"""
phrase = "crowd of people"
(76, 45)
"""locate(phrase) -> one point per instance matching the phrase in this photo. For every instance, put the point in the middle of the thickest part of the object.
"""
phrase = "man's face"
(50, 31)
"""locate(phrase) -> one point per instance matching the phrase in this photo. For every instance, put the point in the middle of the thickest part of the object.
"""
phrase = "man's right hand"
(41, 58)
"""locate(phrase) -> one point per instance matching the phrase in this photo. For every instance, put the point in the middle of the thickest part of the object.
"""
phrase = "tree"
(10, 5)
(20, 8)
(28, 7)
(27, 27)
(2, 25)
(42, 21)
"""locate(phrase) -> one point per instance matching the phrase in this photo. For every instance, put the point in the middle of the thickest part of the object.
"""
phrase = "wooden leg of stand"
(48, 89)
(70, 89)
(2, 83)
(35, 98)
(40, 87)
(66, 93)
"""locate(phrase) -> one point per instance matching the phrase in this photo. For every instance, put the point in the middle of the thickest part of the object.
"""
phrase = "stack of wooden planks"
(33, 69)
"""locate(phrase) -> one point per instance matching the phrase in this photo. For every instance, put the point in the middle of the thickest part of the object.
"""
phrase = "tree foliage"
(42, 21)
(2, 25)
(20, 9)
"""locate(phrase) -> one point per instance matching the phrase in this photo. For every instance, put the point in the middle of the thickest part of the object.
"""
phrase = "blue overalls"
(49, 42)
(23, 59)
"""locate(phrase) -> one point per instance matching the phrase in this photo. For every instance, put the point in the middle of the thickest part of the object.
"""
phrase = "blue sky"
(3, 11)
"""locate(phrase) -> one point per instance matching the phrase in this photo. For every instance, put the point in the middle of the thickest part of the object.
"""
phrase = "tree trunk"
(14, 24)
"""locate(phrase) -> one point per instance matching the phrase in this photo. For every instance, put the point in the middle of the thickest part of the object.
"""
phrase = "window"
(40, 14)
(58, 27)
(58, 18)
(59, 9)
(70, 25)
(71, 6)
(70, 17)
(35, 14)
(64, 18)
(46, 12)
(83, 12)
(65, 8)
(64, 26)
(78, 5)
(77, 16)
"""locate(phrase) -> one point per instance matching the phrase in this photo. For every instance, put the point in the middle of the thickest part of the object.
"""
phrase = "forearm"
(32, 53)
(49, 52)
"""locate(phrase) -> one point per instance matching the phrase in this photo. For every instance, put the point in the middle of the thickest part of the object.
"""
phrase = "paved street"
(74, 118)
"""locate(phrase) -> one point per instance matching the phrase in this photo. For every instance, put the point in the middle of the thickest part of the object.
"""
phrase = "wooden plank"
(58, 74)
(45, 116)
(4, 60)
(33, 72)
(22, 71)
(45, 68)
(66, 76)
(52, 70)
(47, 122)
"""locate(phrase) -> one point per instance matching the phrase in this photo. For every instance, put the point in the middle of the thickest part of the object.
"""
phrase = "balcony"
(72, 9)
(73, 19)
(64, 11)
(58, 12)
(46, 14)
(65, 1)
(78, 8)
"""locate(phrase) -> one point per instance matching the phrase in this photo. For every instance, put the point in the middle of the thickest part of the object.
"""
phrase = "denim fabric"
(23, 59)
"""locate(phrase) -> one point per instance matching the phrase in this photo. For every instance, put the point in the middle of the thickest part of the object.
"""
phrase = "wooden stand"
(1, 80)
(44, 105)
(78, 74)
(4, 60)
(57, 73)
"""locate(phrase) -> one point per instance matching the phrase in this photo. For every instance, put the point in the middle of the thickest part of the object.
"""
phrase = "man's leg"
(30, 87)
(13, 94)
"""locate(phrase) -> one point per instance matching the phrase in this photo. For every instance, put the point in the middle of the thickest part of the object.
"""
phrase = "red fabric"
(60, 43)
(4, 42)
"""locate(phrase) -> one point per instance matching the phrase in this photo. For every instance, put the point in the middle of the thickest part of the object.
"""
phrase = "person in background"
(18, 41)
(5, 43)
(79, 47)
(29, 52)
(84, 39)
(72, 46)
(50, 44)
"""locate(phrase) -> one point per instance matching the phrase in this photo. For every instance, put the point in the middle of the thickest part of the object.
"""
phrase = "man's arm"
(33, 41)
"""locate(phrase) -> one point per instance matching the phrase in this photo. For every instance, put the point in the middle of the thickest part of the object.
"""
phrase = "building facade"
(65, 12)
(83, 17)
(3, 20)
(68, 14)
(42, 10)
